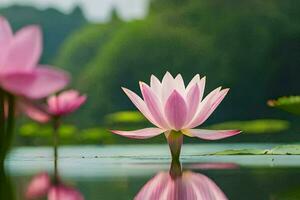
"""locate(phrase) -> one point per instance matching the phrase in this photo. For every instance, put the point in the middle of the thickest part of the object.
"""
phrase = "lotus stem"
(56, 125)
(175, 169)
(175, 140)
(2, 126)
(10, 121)
(6, 189)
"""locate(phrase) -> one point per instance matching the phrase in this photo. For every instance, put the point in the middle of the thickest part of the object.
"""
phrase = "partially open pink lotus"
(188, 186)
(57, 106)
(173, 107)
(20, 73)
(41, 186)
(65, 103)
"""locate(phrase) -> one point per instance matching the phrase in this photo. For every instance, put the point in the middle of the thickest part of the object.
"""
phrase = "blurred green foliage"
(249, 46)
(291, 193)
(34, 133)
(125, 117)
(255, 126)
(74, 56)
(55, 25)
(290, 104)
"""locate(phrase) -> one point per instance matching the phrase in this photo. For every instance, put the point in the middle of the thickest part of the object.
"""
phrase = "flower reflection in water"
(42, 185)
(180, 185)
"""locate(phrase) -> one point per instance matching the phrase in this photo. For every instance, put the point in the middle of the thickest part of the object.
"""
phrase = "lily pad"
(255, 126)
(278, 150)
(289, 104)
(241, 152)
(285, 150)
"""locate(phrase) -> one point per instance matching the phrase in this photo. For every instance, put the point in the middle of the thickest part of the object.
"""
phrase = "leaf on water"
(290, 104)
(255, 126)
(278, 150)
(291, 149)
(241, 152)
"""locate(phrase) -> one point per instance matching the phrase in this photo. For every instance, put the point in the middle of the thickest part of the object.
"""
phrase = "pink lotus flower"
(175, 108)
(41, 186)
(57, 106)
(187, 186)
(65, 103)
(20, 73)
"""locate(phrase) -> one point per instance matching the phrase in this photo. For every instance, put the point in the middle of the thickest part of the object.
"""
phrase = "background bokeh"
(252, 47)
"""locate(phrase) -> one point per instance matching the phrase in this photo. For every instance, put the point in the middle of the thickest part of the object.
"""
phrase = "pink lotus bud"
(65, 103)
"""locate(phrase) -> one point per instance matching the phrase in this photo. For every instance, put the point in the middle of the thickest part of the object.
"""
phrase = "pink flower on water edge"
(41, 186)
(20, 73)
(170, 105)
(188, 186)
(57, 106)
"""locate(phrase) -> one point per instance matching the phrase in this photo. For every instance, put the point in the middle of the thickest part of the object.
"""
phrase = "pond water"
(120, 172)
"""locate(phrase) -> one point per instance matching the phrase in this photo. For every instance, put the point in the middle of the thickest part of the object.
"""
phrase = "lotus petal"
(140, 104)
(39, 83)
(210, 134)
(176, 110)
(154, 105)
(24, 51)
(155, 85)
(168, 85)
(6, 36)
(140, 134)
(203, 109)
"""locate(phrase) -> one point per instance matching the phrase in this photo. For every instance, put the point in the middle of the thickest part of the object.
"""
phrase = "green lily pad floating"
(255, 126)
(289, 104)
(241, 152)
(291, 149)
(278, 150)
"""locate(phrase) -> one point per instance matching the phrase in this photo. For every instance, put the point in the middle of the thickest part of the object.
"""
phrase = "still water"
(143, 172)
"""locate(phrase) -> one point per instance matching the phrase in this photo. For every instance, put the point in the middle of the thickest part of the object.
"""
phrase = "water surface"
(119, 172)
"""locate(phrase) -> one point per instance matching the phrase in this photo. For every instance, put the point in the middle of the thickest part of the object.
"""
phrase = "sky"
(94, 10)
